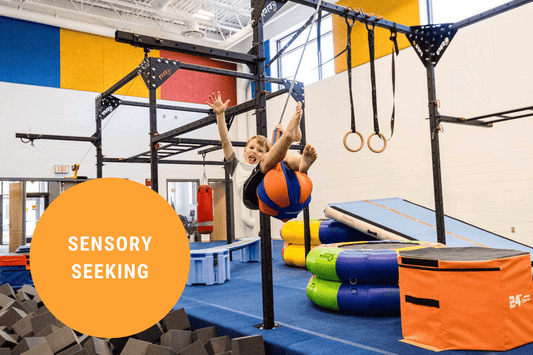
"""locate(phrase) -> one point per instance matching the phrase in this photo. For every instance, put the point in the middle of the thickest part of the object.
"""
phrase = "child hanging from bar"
(259, 158)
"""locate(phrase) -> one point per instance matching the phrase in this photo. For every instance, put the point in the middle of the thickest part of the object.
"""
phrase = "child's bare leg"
(292, 161)
(307, 158)
(281, 147)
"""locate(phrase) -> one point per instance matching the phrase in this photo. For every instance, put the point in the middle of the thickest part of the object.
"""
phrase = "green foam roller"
(323, 293)
(322, 261)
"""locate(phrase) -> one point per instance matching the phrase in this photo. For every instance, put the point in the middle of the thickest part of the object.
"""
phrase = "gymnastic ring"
(346, 145)
(384, 143)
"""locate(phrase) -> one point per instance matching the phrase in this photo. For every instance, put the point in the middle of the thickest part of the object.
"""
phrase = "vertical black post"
(434, 123)
(24, 214)
(307, 231)
(258, 69)
(153, 133)
(98, 141)
(307, 228)
(230, 234)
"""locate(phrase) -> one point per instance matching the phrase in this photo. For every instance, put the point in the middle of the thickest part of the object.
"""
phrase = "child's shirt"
(240, 172)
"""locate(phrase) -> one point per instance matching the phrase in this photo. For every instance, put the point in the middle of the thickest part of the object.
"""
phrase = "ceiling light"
(202, 17)
(205, 13)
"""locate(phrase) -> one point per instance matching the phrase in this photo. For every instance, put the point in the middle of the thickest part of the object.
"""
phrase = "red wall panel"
(194, 87)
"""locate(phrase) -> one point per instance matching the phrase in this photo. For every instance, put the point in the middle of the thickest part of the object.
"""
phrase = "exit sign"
(61, 168)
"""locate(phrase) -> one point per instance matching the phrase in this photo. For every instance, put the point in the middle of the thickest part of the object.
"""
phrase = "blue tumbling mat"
(397, 219)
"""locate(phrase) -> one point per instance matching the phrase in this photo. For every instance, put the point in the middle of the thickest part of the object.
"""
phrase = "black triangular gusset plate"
(107, 105)
(155, 71)
(430, 41)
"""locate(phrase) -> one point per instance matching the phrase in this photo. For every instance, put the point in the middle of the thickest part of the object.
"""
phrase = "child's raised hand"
(215, 102)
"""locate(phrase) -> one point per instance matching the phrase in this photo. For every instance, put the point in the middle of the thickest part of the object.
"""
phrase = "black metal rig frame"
(429, 42)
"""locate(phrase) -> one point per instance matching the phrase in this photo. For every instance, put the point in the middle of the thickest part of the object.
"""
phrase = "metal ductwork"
(192, 30)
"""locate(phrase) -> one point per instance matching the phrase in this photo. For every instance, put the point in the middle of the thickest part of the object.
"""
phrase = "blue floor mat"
(236, 306)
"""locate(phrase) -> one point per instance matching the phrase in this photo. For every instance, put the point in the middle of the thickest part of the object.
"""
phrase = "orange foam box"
(470, 298)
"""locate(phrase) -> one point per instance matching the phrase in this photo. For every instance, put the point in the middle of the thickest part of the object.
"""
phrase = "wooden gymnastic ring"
(346, 145)
(384, 143)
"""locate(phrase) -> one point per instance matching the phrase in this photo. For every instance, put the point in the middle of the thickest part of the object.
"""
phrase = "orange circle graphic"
(109, 257)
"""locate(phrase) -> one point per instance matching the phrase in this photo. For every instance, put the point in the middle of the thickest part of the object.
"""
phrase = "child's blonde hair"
(262, 140)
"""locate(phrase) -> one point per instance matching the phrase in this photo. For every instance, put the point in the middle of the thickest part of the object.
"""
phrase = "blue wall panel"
(34, 53)
(6, 33)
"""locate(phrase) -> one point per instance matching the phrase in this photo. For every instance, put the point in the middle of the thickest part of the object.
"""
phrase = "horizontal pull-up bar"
(355, 15)
(490, 13)
(148, 160)
(477, 121)
(462, 120)
(204, 142)
(213, 149)
(33, 136)
(149, 42)
(166, 150)
(166, 107)
(211, 70)
(501, 114)
(177, 146)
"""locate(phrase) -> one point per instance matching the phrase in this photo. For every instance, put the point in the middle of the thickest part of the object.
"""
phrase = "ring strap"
(349, 63)
(370, 28)
(395, 51)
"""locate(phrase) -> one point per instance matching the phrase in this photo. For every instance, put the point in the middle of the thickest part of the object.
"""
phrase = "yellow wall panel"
(95, 63)
(404, 12)
(81, 61)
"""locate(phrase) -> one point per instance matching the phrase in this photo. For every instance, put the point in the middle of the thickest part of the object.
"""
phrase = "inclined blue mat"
(418, 222)
(236, 306)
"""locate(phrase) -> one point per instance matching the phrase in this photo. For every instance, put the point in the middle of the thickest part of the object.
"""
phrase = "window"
(312, 67)
(37, 197)
(449, 11)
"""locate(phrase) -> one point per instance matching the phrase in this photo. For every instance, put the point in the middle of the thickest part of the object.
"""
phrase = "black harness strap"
(395, 51)
(349, 63)
(370, 27)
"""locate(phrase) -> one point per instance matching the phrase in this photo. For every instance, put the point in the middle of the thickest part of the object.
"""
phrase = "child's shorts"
(251, 201)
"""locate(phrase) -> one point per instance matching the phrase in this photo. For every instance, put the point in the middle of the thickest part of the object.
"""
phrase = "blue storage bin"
(209, 267)
(251, 251)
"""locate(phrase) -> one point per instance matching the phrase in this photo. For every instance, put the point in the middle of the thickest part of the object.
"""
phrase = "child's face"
(253, 152)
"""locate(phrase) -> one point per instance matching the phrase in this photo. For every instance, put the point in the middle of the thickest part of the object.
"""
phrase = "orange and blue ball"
(284, 193)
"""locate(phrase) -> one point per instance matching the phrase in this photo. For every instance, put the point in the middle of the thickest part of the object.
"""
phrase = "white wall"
(33, 109)
(487, 172)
